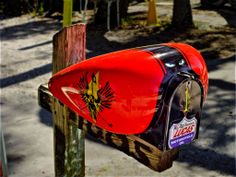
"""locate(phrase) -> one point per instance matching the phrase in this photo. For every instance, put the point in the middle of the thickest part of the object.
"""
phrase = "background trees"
(182, 14)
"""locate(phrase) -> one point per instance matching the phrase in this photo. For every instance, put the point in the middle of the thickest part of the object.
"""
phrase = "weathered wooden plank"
(132, 145)
(68, 49)
(44, 97)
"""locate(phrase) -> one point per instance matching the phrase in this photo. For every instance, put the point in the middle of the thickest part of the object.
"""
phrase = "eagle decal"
(95, 97)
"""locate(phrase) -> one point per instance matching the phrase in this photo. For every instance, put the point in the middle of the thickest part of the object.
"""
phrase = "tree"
(182, 14)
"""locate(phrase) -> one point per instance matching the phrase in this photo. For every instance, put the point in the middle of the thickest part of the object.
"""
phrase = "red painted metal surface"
(120, 91)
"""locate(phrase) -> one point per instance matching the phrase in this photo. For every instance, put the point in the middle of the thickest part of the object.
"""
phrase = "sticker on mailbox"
(182, 132)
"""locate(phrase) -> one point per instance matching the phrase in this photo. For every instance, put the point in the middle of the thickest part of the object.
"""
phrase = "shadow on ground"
(227, 12)
(30, 28)
(28, 75)
(208, 159)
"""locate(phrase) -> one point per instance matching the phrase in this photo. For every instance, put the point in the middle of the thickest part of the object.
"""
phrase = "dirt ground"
(26, 52)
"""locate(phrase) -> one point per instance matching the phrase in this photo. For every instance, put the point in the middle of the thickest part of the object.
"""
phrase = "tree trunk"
(182, 14)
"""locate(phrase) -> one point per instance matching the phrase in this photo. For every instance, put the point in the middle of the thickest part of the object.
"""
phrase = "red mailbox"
(156, 92)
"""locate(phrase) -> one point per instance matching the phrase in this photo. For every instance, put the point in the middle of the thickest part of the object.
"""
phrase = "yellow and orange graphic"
(95, 97)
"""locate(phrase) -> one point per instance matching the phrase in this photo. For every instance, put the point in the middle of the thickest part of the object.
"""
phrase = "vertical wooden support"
(85, 11)
(67, 12)
(68, 49)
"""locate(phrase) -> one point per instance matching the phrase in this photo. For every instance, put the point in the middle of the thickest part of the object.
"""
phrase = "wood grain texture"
(68, 49)
(132, 145)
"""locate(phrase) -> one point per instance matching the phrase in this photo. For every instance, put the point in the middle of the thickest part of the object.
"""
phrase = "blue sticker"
(182, 133)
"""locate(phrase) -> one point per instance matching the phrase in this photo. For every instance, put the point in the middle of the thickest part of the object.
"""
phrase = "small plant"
(125, 22)
(38, 8)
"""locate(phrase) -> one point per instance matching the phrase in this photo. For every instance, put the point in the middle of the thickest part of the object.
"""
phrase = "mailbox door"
(184, 113)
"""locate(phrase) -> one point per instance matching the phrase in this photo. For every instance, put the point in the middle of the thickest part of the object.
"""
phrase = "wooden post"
(68, 49)
(67, 12)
